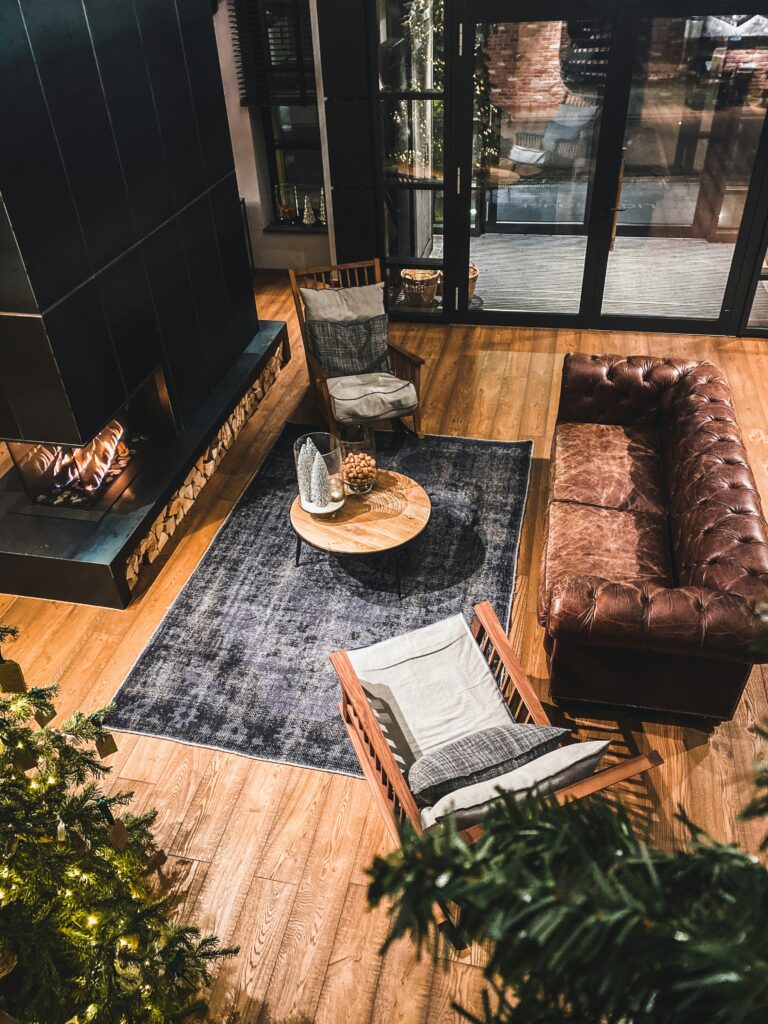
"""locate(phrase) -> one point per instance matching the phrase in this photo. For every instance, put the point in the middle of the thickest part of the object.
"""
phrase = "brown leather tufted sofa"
(654, 580)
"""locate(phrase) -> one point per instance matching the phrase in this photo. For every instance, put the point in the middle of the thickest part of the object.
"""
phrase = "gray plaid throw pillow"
(344, 348)
(479, 756)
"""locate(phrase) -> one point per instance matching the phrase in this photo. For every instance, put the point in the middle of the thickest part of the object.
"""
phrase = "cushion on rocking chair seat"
(480, 756)
(564, 766)
(364, 397)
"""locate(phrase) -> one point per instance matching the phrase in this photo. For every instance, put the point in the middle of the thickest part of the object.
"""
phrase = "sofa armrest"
(680, 620)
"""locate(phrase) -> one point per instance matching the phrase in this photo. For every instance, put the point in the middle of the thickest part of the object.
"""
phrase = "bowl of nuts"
(358, 459)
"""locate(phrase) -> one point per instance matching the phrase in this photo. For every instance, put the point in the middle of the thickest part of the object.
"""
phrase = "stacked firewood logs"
(182, 500)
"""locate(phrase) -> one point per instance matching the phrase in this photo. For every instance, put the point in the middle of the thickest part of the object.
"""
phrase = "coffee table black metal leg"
(298, 548)
(396, 556)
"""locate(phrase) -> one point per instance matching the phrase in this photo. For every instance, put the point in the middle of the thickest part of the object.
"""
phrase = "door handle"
(616, 210)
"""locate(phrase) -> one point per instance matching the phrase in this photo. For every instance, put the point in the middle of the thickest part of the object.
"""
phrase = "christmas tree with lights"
(85, 937)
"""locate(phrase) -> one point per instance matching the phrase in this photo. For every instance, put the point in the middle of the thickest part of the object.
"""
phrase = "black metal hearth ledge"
(86, 562)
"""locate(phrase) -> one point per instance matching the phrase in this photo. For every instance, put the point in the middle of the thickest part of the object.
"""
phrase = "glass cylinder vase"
(318, 469)
(359, 468)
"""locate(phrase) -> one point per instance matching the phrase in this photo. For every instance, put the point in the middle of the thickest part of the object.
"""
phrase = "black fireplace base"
(62, 559)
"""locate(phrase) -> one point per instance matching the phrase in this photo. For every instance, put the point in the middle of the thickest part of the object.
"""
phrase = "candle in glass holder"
(336, 485)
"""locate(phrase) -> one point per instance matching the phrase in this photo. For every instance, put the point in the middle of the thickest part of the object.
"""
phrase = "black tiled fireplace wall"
(121, 238)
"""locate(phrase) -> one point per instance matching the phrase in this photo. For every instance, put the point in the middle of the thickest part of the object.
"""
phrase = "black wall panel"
(15, 290)
(9, 427)
(67, 67)
(32, 180)
(127, 303)
(211, 302)
(183, 339)
(343, 25)
(348, 124)
(124, 229)
(203, 65)
(349, 83)
(173, 99)
(31, 382)
(80, 339)
(118, 46)
(354, 223)
(230, 234)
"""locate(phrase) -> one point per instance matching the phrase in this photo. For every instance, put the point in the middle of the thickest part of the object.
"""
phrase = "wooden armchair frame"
(405, 365)
(388, 784)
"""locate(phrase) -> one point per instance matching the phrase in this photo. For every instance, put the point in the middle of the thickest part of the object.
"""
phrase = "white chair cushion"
(344, 304)
(574, 117)
(364, 397)
(429, 687)
(563, 766)
(522, 155)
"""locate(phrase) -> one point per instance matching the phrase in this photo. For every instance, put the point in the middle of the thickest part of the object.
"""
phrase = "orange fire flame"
(92, 462)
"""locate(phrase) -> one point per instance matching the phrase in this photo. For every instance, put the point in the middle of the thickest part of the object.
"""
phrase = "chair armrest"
(394, 347)
(588, 787)
(627, 769)
(405, 365)
(680, 620)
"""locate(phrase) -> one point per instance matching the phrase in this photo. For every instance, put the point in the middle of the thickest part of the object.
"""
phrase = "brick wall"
(524, 69)
(755, 58)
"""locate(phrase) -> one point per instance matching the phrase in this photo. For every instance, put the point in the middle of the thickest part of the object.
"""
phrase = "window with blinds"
(273, 51)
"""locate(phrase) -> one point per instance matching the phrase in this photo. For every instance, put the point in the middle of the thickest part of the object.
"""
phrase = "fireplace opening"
(68, 477)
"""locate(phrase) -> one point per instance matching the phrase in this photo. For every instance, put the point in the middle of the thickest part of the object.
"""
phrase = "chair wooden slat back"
(338, 275)
(513, 682)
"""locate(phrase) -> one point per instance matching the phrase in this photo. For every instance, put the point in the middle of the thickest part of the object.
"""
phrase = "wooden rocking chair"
(404, 364)
(377, 761)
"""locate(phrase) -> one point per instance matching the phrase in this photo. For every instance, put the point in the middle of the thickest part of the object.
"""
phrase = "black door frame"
(462, 16)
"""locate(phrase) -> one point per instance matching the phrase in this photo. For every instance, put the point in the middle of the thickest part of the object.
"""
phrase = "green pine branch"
(91, 936)
(587, 923)
(7, 633)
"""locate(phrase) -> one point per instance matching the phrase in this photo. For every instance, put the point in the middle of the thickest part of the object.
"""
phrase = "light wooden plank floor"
(274, 857)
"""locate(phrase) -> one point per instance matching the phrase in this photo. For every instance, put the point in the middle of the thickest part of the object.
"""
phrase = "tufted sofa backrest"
(717, 529)
(623, 390)
(718, 534)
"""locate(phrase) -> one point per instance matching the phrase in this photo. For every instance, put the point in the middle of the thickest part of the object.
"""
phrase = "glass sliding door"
(758, 308)
(696, 111)
(537, 108)
(602, 166)
(412, 105)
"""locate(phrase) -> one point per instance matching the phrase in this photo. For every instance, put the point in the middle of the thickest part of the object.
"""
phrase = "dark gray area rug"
(240, 661)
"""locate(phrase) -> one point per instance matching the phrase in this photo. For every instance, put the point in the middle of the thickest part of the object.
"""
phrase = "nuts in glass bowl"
(359, 471)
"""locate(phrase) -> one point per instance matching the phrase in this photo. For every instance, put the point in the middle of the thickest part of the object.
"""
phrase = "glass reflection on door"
(695, 115)
(538, 96)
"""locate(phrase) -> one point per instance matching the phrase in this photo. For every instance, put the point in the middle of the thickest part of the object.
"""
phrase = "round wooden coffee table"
(394, 513)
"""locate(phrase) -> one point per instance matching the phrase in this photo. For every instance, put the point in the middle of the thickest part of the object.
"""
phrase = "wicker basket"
(474, 273)
(419, 286)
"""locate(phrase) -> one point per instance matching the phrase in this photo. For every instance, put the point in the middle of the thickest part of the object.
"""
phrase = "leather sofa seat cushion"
(610, 466)
(624, 547)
